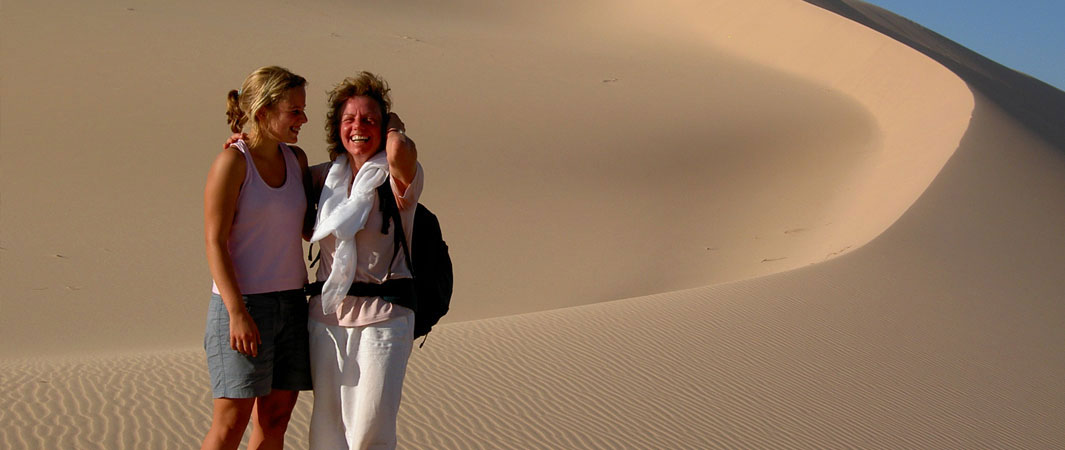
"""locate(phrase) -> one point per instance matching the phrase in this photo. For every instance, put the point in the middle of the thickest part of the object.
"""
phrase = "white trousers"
(358, 381)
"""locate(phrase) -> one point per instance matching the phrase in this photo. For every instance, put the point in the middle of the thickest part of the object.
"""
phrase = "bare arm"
(402, 155)
(219, 207)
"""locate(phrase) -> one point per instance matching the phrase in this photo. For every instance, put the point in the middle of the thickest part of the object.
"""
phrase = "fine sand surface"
(692, 224)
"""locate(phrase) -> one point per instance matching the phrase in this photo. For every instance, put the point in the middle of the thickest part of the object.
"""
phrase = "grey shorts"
(284, 356)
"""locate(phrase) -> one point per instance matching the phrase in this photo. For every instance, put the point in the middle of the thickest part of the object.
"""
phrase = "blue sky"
(1024, 35)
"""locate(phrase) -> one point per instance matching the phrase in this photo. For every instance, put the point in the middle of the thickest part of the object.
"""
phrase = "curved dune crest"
(793, 137)
(921, 109)
(654, 148)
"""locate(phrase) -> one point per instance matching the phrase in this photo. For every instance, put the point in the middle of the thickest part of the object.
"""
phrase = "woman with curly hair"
(362, 324)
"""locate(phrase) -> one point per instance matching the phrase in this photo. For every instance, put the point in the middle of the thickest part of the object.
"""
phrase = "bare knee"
(228, 422)
(273, 424)
(272, 412)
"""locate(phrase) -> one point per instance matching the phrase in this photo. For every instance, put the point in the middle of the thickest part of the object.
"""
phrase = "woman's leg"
(270, 418)
(382, 356)
(331, 369)
(236, 379)
(292, 373)
(358, 380)
(229, 420)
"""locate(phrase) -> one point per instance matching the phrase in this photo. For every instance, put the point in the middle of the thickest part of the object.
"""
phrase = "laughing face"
(361, 128)
(283, 120)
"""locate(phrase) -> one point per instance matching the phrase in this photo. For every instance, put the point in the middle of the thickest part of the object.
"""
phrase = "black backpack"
(427, 259)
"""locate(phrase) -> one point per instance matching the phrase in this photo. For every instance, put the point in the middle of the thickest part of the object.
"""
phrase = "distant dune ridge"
(1034, 103)
(694, 224)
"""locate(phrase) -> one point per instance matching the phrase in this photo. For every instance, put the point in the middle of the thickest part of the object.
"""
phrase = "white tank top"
(265, 240)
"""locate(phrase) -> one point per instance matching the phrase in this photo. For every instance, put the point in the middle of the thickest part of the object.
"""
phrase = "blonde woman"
(254, 215)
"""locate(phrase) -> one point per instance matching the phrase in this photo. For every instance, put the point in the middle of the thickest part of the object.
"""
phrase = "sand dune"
(105, 401)
(821, 238)
(722, 150)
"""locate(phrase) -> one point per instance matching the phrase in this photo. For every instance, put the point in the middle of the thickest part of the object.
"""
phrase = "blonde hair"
(364, 84)
(262, 89)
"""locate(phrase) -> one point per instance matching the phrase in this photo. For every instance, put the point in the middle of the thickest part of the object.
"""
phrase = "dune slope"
(931, 318)
(606, 152)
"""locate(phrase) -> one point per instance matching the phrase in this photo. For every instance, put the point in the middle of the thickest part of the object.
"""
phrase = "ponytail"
(235, 117)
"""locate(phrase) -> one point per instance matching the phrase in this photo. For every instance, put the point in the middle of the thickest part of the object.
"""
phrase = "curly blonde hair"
(262, 89)
(364, 84)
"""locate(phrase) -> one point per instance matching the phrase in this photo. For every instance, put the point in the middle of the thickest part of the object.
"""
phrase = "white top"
(264, 240)
(371, 264)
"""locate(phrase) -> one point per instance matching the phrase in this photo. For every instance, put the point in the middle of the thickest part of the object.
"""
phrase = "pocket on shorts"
(398, 330)
(216, 330)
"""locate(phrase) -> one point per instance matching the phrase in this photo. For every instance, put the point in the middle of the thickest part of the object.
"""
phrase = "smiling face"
(282, 121)
(361, 130)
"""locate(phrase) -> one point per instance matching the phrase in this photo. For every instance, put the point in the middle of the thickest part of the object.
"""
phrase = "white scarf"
(343, 216)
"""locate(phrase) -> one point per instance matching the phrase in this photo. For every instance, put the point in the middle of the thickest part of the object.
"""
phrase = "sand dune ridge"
(859, 250)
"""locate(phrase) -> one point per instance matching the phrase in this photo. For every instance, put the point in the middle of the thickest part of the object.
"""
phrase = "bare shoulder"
(230, 160)
(227, 172)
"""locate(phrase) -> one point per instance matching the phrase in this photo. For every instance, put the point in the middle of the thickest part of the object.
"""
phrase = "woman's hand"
(234, 138)
(244, 334)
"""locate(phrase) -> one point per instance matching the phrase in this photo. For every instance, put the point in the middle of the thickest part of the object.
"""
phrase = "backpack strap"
(390, 210)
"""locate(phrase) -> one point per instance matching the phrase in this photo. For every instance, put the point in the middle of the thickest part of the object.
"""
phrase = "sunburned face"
(360, 128)
(283, 120)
